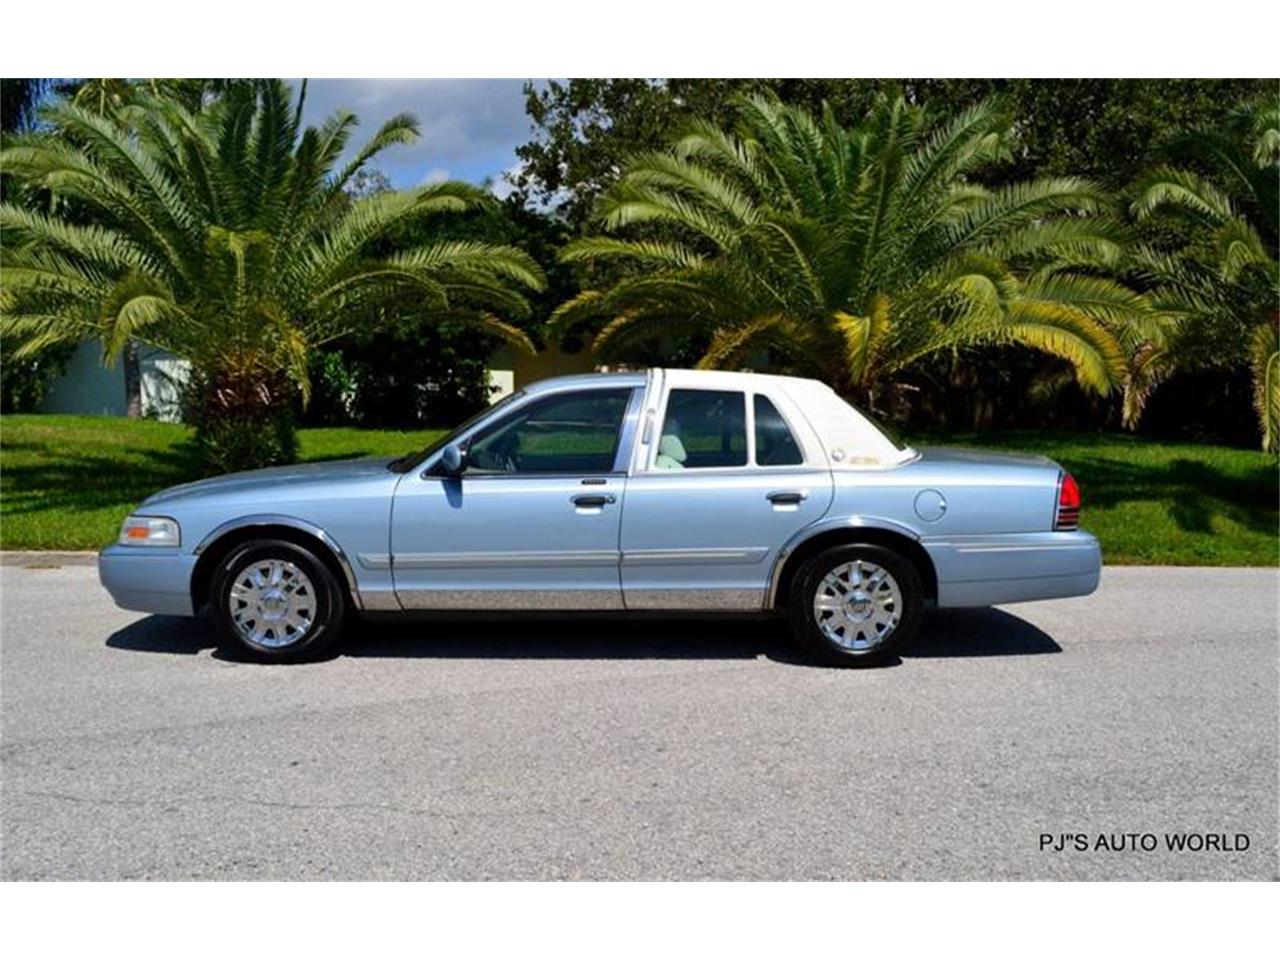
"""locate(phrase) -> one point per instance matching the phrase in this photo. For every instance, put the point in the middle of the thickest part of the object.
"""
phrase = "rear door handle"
(779, 497)
(593, 499)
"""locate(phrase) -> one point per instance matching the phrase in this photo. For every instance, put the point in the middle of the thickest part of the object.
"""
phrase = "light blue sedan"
(671, 491)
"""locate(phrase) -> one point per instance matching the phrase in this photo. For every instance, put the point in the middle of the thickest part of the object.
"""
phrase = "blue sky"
(470, 128)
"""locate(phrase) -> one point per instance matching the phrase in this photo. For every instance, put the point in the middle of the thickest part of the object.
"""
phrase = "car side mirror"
(453, 460)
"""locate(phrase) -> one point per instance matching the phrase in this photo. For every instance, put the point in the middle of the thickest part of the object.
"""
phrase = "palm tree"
(1221, 286)
(225, 235)
(852, 254)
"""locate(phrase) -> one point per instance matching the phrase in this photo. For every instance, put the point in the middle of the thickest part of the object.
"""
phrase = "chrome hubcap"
(857, 605)
(272, 603)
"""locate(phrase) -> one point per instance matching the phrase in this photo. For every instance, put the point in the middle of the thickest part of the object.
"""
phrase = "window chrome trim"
(701, 473)
(656, 416)
(660, 421)
(429, 465)
(805, 459)
(529, 477)
(630, 427)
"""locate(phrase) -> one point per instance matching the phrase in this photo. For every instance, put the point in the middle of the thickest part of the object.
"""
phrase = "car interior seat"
(671, 453)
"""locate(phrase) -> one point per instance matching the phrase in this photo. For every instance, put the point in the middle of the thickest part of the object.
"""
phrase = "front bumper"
(150, 579)
(983, 570)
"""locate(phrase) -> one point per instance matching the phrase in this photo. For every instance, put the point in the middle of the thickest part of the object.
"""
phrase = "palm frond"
(730, 344)
(867, 245)
(506, 332)
(1070, 334)
(475, 259)
(863, 337)
(1264, 358)
(400, 129)
(221, 231)
(1166, 188)
(1239, 247)
(645, 251)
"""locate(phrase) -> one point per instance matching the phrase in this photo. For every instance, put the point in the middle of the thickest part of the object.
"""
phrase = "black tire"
(824, 648)
(306, 631)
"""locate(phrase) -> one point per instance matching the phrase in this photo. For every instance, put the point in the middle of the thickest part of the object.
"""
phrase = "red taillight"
(1068, 504)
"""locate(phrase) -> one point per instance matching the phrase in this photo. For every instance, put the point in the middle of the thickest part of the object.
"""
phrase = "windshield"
(410, 460)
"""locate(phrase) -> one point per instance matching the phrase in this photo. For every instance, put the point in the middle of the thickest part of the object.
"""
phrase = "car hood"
(273, 478)
(962, 455)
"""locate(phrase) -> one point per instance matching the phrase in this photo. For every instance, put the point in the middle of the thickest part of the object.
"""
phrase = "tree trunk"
(132, 381)
(243, 418)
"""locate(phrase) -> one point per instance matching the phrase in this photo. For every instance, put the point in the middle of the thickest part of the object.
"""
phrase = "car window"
(409, 460)
(775, 446)
(564, 433)
(703, 428)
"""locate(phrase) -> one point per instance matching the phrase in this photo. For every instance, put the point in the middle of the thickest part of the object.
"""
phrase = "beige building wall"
(511, 369)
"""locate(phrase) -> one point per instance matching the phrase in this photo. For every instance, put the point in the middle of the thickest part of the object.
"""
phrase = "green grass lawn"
(66, 482)
(1150, 501)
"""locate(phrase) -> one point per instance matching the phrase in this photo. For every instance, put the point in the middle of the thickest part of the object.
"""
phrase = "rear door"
(723, 478)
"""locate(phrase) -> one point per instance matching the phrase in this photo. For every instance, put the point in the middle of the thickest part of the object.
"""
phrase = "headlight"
(150, 532)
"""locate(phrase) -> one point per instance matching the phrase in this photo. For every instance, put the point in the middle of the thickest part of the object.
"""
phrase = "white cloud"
(435, 175)
(503, 185)
(469, 127)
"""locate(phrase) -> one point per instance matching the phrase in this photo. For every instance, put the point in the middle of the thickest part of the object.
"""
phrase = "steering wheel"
(506, 453)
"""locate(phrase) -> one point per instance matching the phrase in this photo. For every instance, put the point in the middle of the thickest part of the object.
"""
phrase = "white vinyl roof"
(848, 439)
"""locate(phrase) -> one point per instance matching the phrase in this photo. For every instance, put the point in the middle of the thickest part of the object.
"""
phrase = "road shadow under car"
(948, 633)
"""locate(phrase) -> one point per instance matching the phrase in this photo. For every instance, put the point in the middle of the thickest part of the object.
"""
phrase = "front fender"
(293, 523)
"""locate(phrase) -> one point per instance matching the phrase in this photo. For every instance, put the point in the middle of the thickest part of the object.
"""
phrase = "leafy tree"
(1221, 287)
(852, 254)
(1109, 130)
(431, 375)
(107, 95)
(411, 373)
(225, 236)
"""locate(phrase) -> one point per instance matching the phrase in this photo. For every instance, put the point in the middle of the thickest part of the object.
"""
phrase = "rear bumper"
(150, 579)
(1010, 568)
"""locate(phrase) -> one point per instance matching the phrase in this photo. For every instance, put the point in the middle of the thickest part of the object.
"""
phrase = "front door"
(532, 523)
(722, 485)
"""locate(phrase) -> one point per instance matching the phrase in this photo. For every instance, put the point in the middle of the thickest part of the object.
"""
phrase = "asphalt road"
(132, 749)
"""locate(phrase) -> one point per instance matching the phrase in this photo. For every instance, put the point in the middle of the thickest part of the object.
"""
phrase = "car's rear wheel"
(856, 605)
(277, 601)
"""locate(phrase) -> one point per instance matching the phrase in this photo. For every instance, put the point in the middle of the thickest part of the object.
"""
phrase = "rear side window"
(703, 428)
(775, 446)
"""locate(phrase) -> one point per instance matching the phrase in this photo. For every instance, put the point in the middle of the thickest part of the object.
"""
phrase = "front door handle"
(780, 497)
(593, 499)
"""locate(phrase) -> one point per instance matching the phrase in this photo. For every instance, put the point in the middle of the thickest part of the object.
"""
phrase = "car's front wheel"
(856, 605)
(277, 601)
